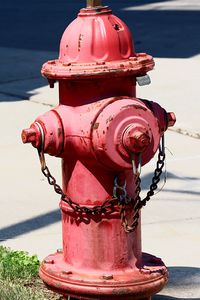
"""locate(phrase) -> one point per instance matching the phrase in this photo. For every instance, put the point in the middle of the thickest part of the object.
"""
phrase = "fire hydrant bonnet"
(97, 44)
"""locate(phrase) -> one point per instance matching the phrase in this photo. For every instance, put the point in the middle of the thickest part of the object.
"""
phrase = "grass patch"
(17, 291)
(19, 277)
(15, 265)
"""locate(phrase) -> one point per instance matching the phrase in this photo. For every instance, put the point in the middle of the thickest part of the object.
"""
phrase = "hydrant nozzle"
(94, 3)
(28, 135)
(32, 135)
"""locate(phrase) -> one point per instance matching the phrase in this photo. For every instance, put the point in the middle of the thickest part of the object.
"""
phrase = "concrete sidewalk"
(170, 86)
(30, 216)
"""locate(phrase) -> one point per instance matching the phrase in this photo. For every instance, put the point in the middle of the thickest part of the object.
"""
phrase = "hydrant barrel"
(104, 134)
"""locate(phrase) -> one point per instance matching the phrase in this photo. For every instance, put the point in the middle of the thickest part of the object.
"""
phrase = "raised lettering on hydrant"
(103, 134)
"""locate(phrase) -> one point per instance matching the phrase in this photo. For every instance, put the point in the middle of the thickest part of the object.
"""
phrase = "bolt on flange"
(107, 276)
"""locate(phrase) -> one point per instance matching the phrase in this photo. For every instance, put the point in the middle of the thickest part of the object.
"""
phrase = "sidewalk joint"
(195, 135)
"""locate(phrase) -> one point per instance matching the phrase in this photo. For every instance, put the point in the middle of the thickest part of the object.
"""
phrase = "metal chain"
(119, 197)
(106, 207)
(157, 174)
(154, 185)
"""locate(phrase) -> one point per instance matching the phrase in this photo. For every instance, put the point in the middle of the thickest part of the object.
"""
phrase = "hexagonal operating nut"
(136, 139)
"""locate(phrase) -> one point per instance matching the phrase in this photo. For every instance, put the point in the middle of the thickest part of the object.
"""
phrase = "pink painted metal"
(97, 44)
(95, 129)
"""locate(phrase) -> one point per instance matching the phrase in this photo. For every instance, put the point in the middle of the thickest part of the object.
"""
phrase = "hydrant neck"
(81, 92)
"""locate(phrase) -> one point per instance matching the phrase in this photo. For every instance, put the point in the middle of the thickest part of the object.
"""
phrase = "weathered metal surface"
(94, 151)
(136, 138)
(137, 65)
(97, 45)
(107, 131)
(118, 284)
(97, 127)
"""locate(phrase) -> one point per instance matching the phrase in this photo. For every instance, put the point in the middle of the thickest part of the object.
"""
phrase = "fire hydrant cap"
(97, 44)
(96, 36)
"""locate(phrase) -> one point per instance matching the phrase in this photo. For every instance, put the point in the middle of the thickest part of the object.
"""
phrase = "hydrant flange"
(118, 284)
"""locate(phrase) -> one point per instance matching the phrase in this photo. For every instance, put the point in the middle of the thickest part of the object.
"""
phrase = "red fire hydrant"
(103, 135)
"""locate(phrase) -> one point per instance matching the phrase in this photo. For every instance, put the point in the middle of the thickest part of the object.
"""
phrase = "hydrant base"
(126, 284)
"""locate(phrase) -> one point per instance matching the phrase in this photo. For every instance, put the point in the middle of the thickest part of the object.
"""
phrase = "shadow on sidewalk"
(146, 181)
(44, 220)
(182, 281)
(38, 26)
(30, 225)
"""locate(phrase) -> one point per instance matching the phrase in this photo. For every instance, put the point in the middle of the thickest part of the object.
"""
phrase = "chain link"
(106, 207)
(154, 185)
(119, 197)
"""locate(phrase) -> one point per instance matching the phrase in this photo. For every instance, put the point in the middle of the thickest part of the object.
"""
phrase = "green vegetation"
(16, 265)
(18, 291)
(19, 277)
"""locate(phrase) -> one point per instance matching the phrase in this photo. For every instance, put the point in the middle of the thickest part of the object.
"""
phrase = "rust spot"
(134, 106)
(99, 63)
(66, 64)
(116, 27)
(107, 276)
(79, 41)
(67, 272)
(120, 291)
(51, 62)
(51, 272)
(59, 132)
(96, 125)
(109, 119)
